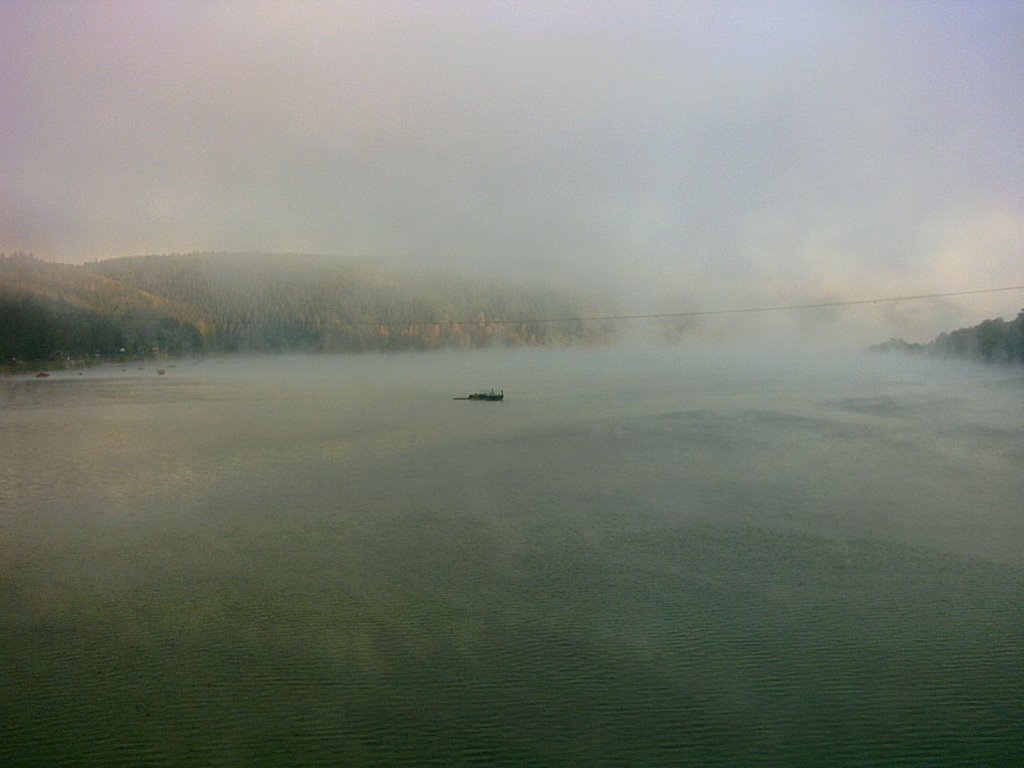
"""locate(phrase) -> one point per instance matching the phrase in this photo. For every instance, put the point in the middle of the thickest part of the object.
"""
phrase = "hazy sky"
(688, 155)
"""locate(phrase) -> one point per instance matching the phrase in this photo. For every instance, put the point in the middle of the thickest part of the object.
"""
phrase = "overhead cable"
(697, 312)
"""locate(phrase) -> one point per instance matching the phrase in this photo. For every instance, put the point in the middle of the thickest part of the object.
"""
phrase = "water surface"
(638, 558)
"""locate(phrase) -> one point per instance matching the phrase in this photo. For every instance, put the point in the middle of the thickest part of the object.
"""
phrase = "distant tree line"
(186, 304)
(991, 341)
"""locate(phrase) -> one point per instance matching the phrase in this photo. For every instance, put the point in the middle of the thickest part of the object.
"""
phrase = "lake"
(642, 557)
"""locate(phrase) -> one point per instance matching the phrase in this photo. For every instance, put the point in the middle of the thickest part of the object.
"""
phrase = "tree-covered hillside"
(204, 303)
(991, 341)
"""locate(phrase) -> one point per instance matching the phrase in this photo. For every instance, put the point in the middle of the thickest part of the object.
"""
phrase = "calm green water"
(639, 558)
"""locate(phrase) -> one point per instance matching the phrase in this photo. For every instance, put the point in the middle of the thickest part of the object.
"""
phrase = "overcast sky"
(684, 155)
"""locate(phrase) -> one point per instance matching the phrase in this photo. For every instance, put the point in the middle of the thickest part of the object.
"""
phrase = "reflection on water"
(638, 558)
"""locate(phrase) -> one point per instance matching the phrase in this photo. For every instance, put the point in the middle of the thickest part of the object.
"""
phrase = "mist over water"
(641, 557)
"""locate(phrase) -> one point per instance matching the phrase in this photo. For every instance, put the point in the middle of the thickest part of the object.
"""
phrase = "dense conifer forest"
(203, 303)
(191, 304)
(991, 341)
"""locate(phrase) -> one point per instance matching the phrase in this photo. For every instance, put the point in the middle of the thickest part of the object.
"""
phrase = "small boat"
(42, 375)
(484, 394)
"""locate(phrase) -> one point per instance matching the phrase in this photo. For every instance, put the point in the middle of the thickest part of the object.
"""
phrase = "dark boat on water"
(488, 394)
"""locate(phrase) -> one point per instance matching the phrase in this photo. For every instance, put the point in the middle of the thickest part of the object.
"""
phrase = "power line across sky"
(699, 312)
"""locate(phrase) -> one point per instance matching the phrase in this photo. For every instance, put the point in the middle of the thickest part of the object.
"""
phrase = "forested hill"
(991, 341)
(210, 303)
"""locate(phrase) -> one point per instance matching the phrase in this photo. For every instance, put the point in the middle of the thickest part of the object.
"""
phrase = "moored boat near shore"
(484, 394)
